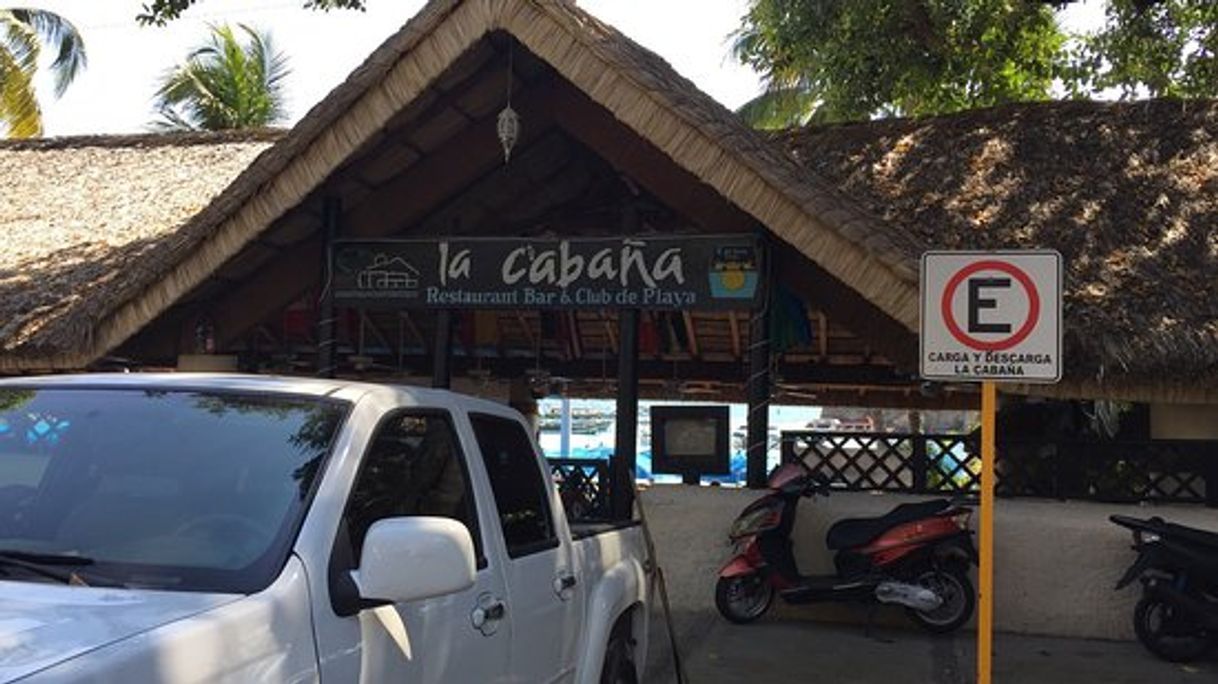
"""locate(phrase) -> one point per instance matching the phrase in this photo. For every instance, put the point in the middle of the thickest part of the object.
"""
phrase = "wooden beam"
(822, 335)
(611, 332)
(376, 331)
(696, 371)
(634, 156)
(691, 333)
(445, 171)
(845, 306)
(528, 331)
(408, 198)
(414, 329)
(735, 325)
(577, 351)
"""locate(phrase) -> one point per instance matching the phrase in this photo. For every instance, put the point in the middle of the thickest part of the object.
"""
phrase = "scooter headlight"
(1144, 537)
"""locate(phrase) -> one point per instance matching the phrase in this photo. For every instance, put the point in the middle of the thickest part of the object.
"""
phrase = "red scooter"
(917, 556)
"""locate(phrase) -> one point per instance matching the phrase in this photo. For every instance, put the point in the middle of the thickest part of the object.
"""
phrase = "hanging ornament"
(509, 131)
(509, 121)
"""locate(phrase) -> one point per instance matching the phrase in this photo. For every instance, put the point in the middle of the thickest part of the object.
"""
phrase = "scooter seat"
(1192, 535)
(853, 532)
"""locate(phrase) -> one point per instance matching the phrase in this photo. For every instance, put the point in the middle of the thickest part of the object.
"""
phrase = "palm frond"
(61, 35)
(225, 83)
(20, 41)
(778, 108)
(19, 110)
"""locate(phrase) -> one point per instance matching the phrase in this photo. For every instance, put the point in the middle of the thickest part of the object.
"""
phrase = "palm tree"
(779, 107)
(224, 84)
(23, 33)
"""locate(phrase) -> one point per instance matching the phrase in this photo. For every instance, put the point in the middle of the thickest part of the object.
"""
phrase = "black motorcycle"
(1177, 617)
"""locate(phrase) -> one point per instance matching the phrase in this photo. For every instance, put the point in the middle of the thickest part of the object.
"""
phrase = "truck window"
(161, 489)
(413, 468)
(520, 490)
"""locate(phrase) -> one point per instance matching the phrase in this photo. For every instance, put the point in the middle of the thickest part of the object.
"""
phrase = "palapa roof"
(638, 87)
(1127, 192)
(87, 221)
(855, 206)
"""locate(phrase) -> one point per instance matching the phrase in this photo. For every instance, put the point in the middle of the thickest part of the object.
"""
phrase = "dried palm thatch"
(81, 217)
(1128, 192)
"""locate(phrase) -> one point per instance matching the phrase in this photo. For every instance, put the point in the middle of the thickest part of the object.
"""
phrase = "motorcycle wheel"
(1169, 632)
(959, 600)
(744, 598)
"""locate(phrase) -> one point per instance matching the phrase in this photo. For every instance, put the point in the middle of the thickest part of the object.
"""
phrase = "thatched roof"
(1128, 192)
(86, 221)
(635, 85)
(864, 203)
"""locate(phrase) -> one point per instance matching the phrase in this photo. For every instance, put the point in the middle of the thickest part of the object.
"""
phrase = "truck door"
(415, 466)
(543, 599)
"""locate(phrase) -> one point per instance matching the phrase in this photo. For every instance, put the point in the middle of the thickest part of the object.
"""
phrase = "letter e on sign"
(991, 316)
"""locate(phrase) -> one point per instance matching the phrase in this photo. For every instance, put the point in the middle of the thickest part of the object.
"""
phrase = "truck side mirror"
(408, 559)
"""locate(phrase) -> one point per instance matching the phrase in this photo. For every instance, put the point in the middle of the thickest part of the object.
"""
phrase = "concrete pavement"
(782, 650)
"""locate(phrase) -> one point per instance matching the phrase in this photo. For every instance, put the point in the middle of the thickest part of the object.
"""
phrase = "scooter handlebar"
(818, 483)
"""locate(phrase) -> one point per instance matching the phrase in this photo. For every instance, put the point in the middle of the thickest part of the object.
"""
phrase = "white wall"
(1183, 421)
(1055, 562)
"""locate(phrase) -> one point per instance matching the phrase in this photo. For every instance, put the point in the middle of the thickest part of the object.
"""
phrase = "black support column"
(759, 397)
(332, 211)
(442, 351)
(622, 467)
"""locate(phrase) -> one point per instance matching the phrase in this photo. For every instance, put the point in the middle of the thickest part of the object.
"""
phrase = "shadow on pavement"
(790, 650)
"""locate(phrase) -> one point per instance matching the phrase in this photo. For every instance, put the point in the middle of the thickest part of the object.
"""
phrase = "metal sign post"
(985, 571)
(990, 317)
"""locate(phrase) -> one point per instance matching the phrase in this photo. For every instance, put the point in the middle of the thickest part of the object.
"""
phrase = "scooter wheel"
(959, 600)
(1169, 633)
(744, 598)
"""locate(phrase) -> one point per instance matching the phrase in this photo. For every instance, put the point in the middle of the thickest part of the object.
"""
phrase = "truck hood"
(45, 624)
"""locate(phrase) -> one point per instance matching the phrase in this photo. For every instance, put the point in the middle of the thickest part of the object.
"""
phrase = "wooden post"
(1211, 481)
(759, 398)
(920, 461)
(332, 211)
(442, 352)
(985, 574)
(623, 466)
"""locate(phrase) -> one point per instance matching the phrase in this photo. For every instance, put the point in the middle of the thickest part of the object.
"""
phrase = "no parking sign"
(991, 316)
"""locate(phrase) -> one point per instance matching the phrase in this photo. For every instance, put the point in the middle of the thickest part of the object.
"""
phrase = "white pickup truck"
(194, 528)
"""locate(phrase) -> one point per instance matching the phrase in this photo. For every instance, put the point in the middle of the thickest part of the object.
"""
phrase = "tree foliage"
(225, 84)
(1163, 48)
(831, 60)
(161, 12)
(850, 60)
(23, 34)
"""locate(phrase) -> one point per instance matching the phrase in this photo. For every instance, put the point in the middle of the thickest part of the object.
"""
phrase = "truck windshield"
(175, 490)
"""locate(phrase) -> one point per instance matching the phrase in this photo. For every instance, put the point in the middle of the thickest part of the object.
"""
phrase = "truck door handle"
(563, 583)
(487, 613)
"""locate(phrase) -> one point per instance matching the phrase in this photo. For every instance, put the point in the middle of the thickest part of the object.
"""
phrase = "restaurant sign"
(692, 272)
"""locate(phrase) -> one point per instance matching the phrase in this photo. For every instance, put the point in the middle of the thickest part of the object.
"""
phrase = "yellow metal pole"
(985, 613)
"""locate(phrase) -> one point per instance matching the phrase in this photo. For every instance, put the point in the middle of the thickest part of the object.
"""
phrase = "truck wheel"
(1169, 632)
(743, 599)
(619, 665)
(959, 599)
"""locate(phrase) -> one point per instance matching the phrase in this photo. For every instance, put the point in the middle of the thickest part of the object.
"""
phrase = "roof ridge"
(1003, 108)
(144, 140)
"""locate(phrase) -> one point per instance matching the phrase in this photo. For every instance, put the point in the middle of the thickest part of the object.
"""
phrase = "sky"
(114, 94)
